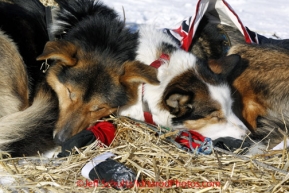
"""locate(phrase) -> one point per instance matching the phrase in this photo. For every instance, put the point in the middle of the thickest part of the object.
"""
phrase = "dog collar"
(146, 111)
(157, 63)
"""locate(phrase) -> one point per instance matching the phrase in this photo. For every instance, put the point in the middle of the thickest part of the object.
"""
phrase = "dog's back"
(24, 22)
(262, 79)
(25, 128)
(261, 84)
(14, 92)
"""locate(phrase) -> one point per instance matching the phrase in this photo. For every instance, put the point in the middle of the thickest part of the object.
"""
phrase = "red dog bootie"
(102, 131)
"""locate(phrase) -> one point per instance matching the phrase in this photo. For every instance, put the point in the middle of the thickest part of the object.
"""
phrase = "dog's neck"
(146, 110)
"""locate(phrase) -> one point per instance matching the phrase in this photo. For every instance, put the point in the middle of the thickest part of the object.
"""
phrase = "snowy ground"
(264, 17)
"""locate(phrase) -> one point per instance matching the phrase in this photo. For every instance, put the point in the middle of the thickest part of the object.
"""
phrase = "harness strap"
(146, 111)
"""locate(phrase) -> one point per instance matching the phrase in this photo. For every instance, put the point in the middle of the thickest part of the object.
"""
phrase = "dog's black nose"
(61, 136)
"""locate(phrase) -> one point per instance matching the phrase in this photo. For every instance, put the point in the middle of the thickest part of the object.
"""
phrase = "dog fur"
(260, 88)
(92, 73)
(17, 96)
(190, 94)
(29, 108)
(234, 96)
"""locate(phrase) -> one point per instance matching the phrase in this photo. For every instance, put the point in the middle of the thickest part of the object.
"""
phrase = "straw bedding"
(156, 162)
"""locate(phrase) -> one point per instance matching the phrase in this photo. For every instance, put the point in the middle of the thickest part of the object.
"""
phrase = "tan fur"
(76, 113)
(39, 113)
(12, 72)
(213, 118)
(252, 105)
(215, 67)
(60, 50)
(263, 83)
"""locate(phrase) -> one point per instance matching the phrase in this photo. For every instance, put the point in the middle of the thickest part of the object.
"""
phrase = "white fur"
(234, 127)
(57, 26)
(180, 61)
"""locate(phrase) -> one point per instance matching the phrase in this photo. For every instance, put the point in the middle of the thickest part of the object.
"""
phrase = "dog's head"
(89, 85)
(200, 99)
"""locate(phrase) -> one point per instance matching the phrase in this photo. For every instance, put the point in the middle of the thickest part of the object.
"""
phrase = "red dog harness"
(188, 140)
(146, 111)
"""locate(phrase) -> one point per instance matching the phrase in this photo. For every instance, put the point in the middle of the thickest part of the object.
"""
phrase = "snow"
(264, 17)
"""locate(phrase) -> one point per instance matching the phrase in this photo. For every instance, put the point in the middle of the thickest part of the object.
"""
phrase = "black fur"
(24, 22)
(212, 41)
(97, 29)
(79, 10)
(90, 30)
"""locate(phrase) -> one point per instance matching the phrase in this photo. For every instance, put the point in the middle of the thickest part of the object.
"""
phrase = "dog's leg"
(31, 130)
(251, 112)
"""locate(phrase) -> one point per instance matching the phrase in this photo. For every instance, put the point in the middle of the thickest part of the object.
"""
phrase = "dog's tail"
(70, 13)
(31, 130)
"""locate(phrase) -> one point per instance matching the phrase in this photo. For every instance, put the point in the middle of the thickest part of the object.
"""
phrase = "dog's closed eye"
(71, 95)
(95, 108)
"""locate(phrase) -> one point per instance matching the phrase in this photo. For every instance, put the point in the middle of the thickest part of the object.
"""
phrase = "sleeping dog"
(99, 67)
(260, 90)
(236, 95)
(92, 71)
(193, 93)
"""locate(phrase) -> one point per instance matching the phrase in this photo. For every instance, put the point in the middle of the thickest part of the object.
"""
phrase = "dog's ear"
(59, 50)
(178, 103)
(224, 65)
(137, 72)
(176, 100)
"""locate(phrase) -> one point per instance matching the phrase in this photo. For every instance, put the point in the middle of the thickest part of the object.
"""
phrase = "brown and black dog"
(261, 91)
(258, 83)
(93, 72)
